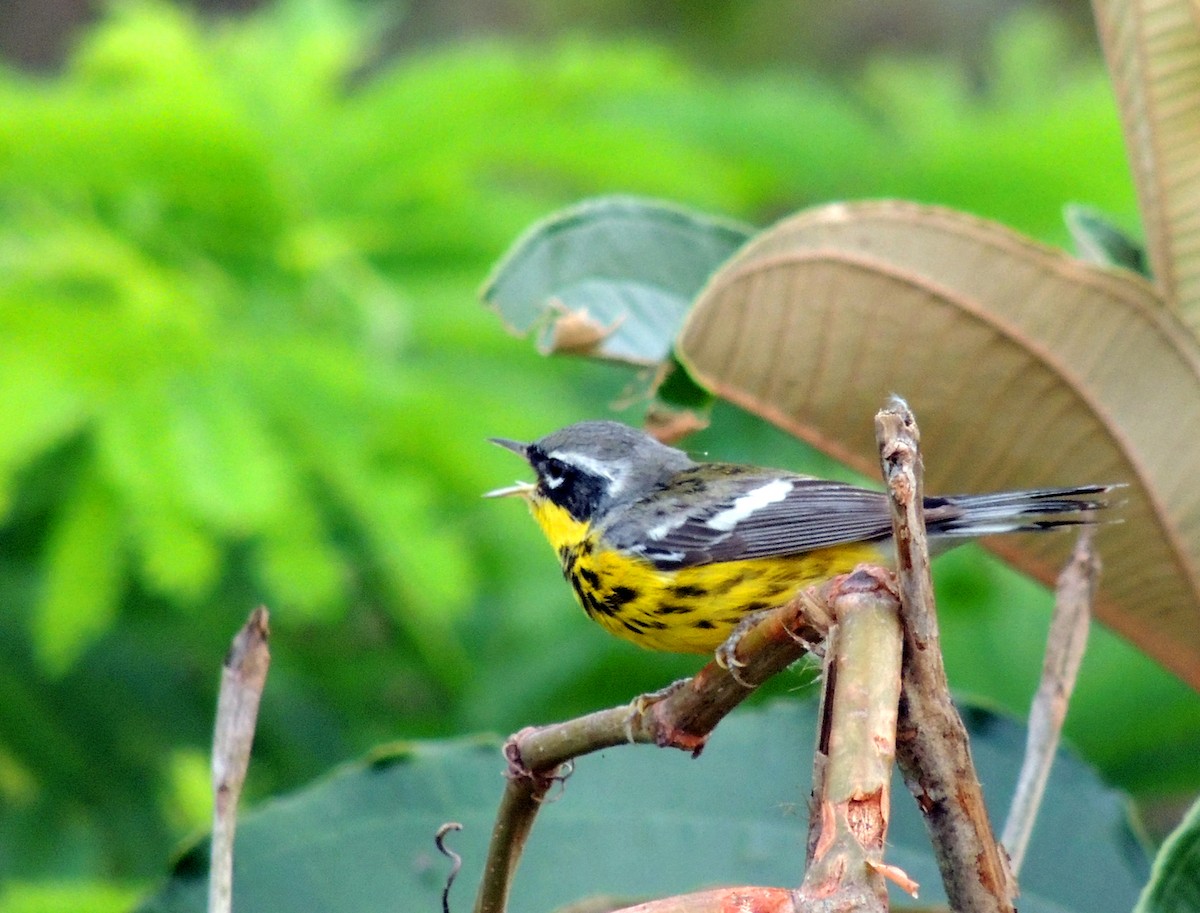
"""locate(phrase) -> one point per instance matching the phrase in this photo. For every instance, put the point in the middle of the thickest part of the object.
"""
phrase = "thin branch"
(1064, 652)
(519, 805)
(932, 747)
(243, 676)
(681, 717)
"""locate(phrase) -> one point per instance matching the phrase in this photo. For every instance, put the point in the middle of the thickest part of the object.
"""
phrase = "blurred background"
(242, 361)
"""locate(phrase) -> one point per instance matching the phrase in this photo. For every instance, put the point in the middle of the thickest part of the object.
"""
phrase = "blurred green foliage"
(241, 361)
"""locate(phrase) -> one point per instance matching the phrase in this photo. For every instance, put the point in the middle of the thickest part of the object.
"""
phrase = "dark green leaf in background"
(634, 822)
(1098, 240)
(1175, 881)
(84, 575)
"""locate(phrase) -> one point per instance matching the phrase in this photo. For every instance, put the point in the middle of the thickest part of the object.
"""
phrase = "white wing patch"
(656, 556)
(668, 526)
(744, 505)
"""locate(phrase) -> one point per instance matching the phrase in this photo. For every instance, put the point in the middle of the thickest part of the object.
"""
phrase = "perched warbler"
(672, 554)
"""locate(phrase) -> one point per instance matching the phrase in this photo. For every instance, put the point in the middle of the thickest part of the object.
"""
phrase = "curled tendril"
(455, 860)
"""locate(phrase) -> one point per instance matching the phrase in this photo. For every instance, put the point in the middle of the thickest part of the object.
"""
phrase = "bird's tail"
(1015, 511)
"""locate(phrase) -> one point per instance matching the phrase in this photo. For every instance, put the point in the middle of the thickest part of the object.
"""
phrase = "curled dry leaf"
(1025, 366)
(576, 332)
(672, 425)
(898, 877)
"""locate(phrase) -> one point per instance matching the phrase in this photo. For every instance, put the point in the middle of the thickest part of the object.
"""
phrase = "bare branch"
(243, 676)
(1064, 652)
(680, 717)
(932, 747)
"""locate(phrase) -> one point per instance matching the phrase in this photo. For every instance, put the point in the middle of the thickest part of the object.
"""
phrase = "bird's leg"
(643, 702)
(726, 654)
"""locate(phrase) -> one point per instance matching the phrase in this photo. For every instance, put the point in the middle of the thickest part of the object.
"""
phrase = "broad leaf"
(1099, 241)
(85, 571)
(611, 277)
(633, 822)
(1174, 885)
(1026, 367)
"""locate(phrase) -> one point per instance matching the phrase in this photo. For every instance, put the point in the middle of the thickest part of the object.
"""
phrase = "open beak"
(519, 488)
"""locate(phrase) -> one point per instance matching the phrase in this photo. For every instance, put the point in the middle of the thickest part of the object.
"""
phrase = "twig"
(514, 820)
(932, 747)
(243, 676)
(681, 718)
(1065, 645)
(857, 747)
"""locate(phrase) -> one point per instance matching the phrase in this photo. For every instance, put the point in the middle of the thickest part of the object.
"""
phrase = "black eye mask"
(580, 493)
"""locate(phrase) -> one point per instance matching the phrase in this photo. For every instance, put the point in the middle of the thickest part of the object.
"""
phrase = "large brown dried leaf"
(1153, 53)
(1025, 367)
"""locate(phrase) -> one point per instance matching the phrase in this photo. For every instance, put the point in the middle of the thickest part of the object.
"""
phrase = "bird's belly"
(694, 609)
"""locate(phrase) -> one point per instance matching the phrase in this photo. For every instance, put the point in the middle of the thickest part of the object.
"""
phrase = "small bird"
(673, 554)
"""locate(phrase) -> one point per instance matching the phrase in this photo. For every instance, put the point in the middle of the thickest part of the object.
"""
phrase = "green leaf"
(84, 573)
(678, 390)
(177, 557)
(611, 277)
(1175, 880)
(1098, 240)
(37, 411)
(632, 822)
(425, 564)
(232, 470)
(300, 564)
(178, 553)
(79, 897)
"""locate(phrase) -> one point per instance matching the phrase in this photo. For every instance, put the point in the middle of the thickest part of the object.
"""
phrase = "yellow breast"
(688, 610)
(563, 530)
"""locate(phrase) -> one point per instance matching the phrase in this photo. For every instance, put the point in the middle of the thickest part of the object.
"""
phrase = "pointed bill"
(519, 488)
(515, 446)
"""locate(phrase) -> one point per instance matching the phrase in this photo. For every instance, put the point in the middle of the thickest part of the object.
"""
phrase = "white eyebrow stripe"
(583, 461)
(591, 466)
(744, 505)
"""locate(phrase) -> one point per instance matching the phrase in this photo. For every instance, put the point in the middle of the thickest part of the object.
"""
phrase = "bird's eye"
(554, 473)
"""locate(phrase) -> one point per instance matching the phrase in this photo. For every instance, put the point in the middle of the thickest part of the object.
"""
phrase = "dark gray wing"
(732, 513)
